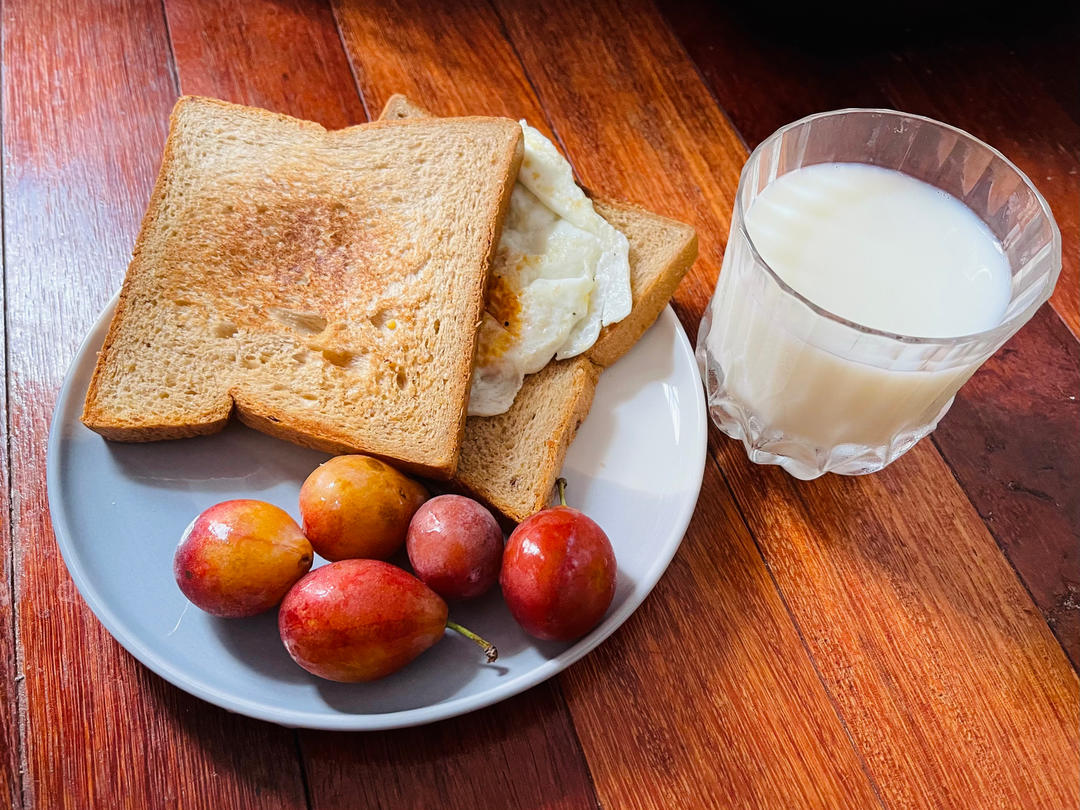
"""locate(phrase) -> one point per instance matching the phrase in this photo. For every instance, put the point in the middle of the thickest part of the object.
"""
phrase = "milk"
(872, 246)
(882, 249)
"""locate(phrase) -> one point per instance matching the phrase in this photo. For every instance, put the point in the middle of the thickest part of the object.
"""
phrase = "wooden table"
(907, 639)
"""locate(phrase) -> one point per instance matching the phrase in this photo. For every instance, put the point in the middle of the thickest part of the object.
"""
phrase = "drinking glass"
(813, 392)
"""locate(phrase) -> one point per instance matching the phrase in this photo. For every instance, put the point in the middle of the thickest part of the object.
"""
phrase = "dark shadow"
(255, 641)
(438, 674)
(237, 457)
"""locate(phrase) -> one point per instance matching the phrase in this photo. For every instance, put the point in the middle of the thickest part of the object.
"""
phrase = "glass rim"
(1001, 328)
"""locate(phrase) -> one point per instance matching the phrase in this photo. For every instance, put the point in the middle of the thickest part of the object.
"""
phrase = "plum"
(357, 506)
(358, 620)
(558, 573)
(455, 546)
(239, 558)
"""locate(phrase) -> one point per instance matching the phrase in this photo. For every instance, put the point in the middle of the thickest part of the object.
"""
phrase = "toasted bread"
(511, 461)
(325, 286)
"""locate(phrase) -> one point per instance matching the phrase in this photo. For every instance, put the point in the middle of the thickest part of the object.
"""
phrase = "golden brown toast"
(325, 286)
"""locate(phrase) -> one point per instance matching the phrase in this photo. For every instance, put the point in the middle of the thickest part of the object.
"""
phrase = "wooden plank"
(950, 683)
(10, 736)
(521, 753)
(751, 725)
(1014, 468)
(284, 56)
(508, 755)
(87, 89)
(396, 48)
(948, 679)
(1013, 442)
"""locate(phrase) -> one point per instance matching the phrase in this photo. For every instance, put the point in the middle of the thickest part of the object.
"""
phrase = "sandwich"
(437, 292)
(511, 460)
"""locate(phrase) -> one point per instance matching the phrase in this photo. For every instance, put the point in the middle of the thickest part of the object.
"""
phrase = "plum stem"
(485, 645)
(561, 484)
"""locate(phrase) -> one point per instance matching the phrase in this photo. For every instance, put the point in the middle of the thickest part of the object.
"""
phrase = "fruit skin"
(358, 620)
(558, 574)
(239, 558)
(455, 546)
(357, 506)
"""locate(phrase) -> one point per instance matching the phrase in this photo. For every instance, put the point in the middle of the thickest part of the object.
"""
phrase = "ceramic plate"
(119, 510)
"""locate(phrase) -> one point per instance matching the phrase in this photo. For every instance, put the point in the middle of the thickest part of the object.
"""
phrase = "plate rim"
(345, 721)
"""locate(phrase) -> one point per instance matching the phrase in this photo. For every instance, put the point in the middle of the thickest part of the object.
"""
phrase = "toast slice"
(325, 286)
(511, 461)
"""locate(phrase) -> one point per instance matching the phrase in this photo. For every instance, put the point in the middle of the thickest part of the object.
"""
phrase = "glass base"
(801, 459)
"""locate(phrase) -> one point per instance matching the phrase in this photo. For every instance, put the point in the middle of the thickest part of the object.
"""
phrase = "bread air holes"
(399, 377)
(223, 329)
(308, 323)
(254, 360)
(384, 318)
(342, 358)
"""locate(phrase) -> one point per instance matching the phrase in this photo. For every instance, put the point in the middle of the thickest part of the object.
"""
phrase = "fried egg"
(561, 272)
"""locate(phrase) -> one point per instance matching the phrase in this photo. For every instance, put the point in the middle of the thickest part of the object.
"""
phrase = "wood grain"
(454, 59)
(908, 621)
(87, 89)
(524, 748)
(10, 733)
(283, 55)
(950, 682)
(716, 706)
(521, 753)
(947, 677)
(1014, 467)
(1013, 442)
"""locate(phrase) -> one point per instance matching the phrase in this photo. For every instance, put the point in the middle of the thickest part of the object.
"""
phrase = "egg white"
(566, 268)
(548, 175)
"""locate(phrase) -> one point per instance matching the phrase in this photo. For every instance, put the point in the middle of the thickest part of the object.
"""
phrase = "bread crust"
(98, 419)
(650, 299)
(528, 487)
(266, 421)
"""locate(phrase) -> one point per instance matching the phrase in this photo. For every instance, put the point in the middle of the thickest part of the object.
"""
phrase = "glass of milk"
(876, 259)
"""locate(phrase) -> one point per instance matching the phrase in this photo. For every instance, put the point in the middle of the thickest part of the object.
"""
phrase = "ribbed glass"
(815, 393)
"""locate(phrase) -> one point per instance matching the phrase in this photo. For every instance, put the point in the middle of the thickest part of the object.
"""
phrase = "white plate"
(118, 511)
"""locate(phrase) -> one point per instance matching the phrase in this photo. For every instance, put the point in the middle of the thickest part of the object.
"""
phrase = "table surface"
(906, 639)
